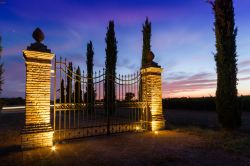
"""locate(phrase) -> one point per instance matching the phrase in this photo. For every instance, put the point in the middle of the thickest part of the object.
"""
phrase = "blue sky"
(182, 39)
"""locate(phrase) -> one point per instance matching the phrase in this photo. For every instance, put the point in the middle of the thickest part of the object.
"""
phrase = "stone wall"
(37, 139)
(152, 94)
(37, 131)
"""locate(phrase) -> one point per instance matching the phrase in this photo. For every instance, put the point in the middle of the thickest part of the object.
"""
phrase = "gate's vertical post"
(152, 93)
(37, 131)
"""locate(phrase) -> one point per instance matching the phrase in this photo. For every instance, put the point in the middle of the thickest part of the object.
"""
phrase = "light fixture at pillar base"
(156, 132)
(53, 148)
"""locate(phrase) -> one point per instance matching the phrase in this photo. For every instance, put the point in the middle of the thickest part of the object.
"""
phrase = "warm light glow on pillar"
(154, 127)
(37, 131)
(152, 94)
(156, 132)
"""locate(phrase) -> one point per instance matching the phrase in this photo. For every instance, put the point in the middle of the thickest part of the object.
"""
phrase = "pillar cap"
(37, 55)
(38, 36)
(150, 63)
(152, 70)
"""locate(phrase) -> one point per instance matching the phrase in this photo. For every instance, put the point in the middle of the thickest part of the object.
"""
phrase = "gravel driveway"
(169, 147)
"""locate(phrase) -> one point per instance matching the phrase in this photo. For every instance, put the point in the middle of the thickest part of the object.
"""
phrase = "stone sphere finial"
(150, 57)
(38, 35)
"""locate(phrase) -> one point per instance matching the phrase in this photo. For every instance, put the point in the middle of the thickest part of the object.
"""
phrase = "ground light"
(156, 132)
(53, 148)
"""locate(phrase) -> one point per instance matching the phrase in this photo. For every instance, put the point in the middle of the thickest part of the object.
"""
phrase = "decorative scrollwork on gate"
(79, 106)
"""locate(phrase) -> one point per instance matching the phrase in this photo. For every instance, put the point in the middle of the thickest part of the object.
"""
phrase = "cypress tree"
(146, 48)
(69, 83)
(1, 67)
(62, 91)
(226, 62)
(0, 45)
(110, 64)
(78, 91)
(90, 87)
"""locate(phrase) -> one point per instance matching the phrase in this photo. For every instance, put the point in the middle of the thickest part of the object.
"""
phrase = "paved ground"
(169, 147)
(166, 148)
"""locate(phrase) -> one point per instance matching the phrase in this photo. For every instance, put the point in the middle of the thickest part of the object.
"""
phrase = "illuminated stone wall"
(152, 94)
(37, 131)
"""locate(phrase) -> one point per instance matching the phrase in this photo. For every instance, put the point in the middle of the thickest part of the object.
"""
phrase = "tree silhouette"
(62, 91)
(226, 62)
(1, 67)
(78, 91)
(110, 64)
(69, 83)
(146, 48)
(129, 96)
(90, 96)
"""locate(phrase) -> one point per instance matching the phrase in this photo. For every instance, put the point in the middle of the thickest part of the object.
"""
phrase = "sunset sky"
(182, 39)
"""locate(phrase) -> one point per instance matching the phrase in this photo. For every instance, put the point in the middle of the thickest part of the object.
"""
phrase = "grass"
(232, 141)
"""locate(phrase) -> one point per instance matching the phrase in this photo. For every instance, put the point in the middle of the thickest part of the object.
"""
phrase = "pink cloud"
(244, 79)
(244, 71)
(182, 83)
(196, 82)
(244, 63)
(13, 51)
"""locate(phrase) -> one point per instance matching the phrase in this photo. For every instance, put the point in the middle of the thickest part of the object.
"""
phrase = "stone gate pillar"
(152, 93)
(37, 131)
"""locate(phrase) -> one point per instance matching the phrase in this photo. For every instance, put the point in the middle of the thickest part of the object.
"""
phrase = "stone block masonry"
(37, 131)
(152, 94)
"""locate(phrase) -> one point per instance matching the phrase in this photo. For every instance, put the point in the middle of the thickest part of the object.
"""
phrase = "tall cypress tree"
(69, 83)
(1, 67)
(62, 91)
(226, 94)
(90, 87)
(110, 64)
(146, 48)
(78, 90)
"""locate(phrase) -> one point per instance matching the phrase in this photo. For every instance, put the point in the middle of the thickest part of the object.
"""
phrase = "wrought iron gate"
(83, 108)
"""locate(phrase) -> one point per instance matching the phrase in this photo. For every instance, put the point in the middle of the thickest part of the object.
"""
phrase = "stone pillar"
(37, 131)
(152, 93)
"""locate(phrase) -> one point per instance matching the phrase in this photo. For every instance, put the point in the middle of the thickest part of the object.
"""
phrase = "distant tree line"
(13, 101)
(199, 104)
(202, 103)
